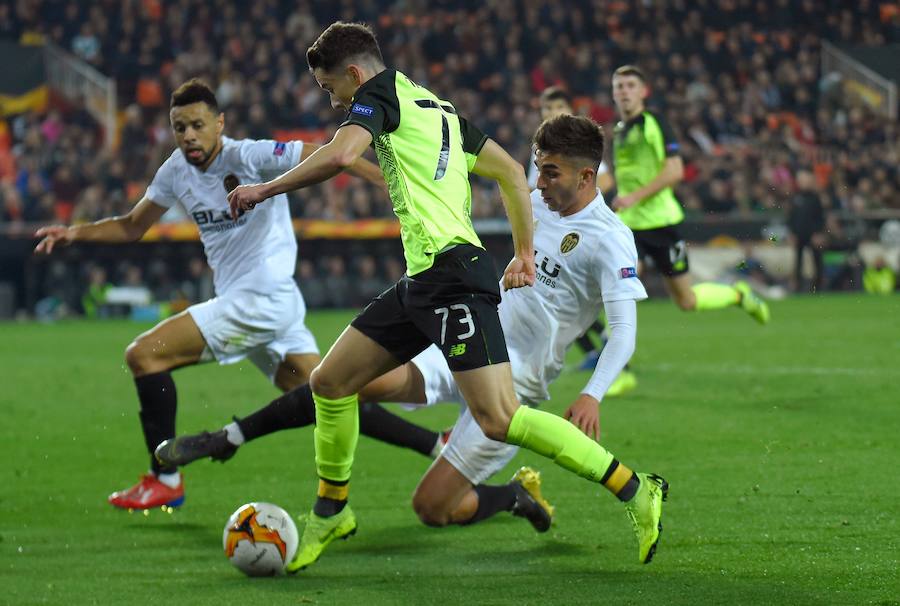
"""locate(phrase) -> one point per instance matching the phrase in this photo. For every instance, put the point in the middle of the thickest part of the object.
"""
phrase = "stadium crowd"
(739, 80)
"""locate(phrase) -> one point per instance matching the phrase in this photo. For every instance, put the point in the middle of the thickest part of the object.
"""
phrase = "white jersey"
(581, 260)
(256, 252)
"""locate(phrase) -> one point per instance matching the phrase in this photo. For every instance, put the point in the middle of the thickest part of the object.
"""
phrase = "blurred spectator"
(806, 221)
(86, 45)
(393, 269)
(314, 290)
(66, 188)
(52, 127)
(198, 284)
(95, 296)
(367, 285)
(131, 275)
(716, 197)
(337, 283)
(12, 210)
(843, 266)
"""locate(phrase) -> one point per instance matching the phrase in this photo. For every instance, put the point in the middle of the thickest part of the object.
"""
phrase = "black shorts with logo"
(453, 305)
(665, 246)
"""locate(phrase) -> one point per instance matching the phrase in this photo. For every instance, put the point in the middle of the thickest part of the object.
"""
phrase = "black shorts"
(665, 246)
(453, 305)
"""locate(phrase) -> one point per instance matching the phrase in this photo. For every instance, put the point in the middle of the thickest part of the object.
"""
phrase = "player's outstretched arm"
(494, 163)
(621, 317)
(670, 175)
(125, 228)
(362, 168)
(337, 155)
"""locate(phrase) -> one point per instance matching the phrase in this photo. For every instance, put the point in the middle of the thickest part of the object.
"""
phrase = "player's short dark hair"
(340, 42)
(631, 70)
(571, 136)
(553, 93)
(194, 91)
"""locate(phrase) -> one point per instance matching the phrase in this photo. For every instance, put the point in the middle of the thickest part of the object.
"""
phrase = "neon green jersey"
(425, 151)
(640, 148)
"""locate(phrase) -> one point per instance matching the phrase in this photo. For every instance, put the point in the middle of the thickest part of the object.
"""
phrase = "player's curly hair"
(340, 42)
(573, 137)
(194, 91)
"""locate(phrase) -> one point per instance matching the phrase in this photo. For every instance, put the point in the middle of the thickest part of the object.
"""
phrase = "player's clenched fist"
(244, 197)
(52, 235)
(520, 272)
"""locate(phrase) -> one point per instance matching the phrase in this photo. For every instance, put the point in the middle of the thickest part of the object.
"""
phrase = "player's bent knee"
(686, 303)
(289, 378)
(430, 512)
(144, 359)
(324, 385)
(138, 358)
(494, 424)
(496, 431)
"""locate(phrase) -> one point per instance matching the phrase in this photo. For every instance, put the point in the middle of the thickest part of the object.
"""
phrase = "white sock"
(172, 480)
(233, 434)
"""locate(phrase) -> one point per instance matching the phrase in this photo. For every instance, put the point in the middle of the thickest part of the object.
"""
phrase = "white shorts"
(472, 453)
(263, 327)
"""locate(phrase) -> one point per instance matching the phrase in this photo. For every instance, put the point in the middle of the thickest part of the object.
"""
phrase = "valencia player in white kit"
(258, 311)
(585, 258)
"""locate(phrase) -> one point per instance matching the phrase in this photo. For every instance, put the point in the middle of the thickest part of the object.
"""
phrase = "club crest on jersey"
(569, 242)
(279, 149)
(230, 182)
(362, 110)
(628, 272)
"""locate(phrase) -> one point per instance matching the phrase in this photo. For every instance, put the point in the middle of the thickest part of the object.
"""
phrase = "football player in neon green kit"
(647, 167)
(449, 294)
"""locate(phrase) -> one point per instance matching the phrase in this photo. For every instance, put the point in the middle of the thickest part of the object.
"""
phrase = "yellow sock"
(337, 430)
(557, 439)
(335, 492)
(715, 296)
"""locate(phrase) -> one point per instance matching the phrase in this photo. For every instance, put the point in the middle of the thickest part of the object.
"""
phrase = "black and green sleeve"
(375, 106)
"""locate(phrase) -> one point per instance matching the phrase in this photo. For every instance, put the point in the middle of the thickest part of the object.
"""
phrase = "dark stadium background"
(759, 93)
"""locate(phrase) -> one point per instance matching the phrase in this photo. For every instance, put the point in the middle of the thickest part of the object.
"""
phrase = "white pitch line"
(771, 370)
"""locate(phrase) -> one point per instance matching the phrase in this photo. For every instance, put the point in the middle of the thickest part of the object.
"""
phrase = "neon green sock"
(557, 439)
(715, 296)
(337, 429)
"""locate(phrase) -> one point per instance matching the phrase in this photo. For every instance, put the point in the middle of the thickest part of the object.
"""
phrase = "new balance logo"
(457, 350)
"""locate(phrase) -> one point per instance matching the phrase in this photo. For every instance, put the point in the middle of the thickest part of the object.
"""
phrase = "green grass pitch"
(780, 444)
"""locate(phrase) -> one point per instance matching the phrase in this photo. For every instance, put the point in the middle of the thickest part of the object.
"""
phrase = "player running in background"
(449, 294)
(585, 257)
(258, 311)
(647, 166)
